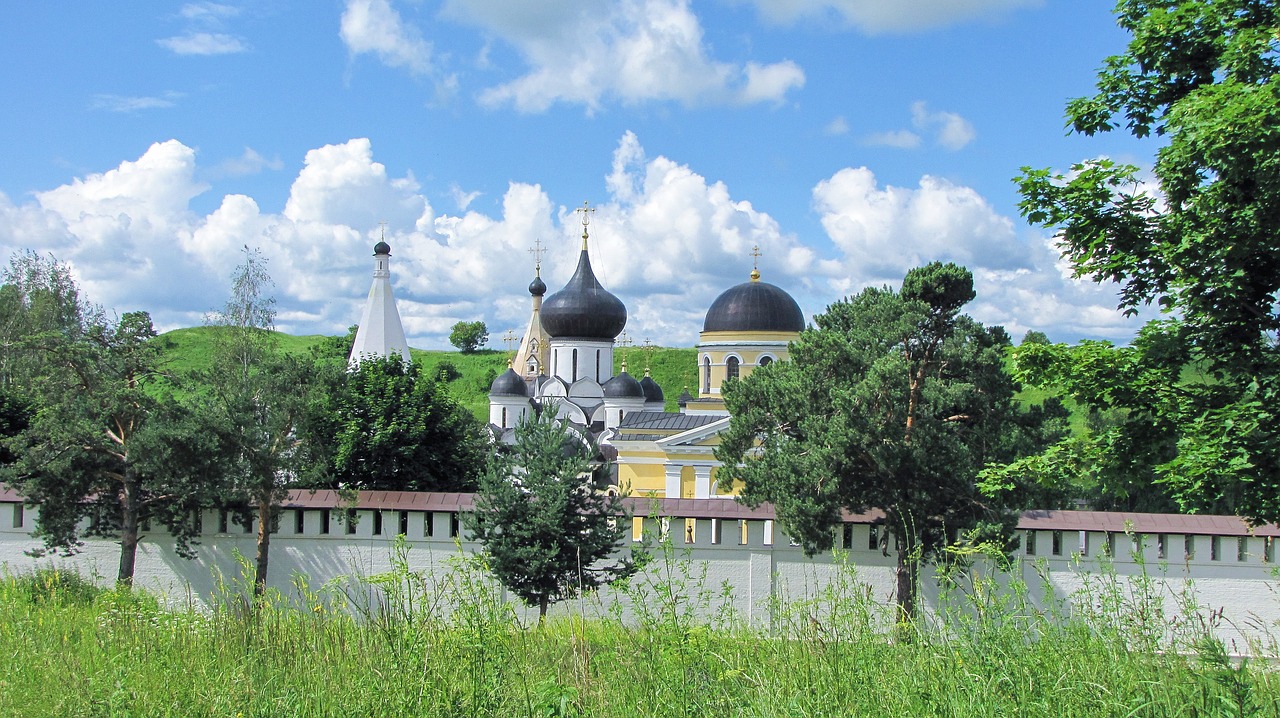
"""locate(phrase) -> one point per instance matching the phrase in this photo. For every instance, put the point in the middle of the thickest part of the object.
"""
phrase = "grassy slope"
(673, 368)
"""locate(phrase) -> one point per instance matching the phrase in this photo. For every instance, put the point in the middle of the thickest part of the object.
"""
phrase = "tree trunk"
(543, 603)
(906, 580)
(264, 547)
(128, 529)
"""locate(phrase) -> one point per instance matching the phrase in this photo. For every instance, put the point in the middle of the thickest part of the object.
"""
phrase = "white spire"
(380, 333)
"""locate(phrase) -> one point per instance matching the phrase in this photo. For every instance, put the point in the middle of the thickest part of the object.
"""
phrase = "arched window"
(765, 360)
(731, 368)
(575, 365)
(597, 365)
(706, 375)
(504, 417)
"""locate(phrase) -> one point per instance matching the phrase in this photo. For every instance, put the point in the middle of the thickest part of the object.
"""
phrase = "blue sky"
(849, 139)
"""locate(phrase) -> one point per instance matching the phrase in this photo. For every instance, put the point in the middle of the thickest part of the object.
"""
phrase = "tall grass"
(447, 644)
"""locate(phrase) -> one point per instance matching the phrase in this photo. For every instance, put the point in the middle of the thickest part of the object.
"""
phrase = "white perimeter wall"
(757, 577)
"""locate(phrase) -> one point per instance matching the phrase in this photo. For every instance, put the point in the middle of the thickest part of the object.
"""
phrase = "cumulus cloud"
(208, 12)
(951, 130)
(877, 16)
(373, 26)
(665, 239)
(838, 126)
(881, 232)
(631, 51)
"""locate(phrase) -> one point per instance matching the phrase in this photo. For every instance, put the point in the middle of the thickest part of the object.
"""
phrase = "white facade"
(380, 333)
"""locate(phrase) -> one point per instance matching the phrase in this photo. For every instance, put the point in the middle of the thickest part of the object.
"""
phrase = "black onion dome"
(509, 383)
(623, 386)
(584, 309)
(537, 287)
(382, 248)
(754, 306)
(652, 392)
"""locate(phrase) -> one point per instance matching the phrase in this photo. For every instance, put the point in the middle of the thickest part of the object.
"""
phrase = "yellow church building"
(565, 359)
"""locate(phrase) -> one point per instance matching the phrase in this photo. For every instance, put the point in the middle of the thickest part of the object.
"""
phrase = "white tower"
(380, 333)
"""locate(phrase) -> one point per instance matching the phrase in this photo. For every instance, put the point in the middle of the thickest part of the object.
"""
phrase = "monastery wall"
(755, 573)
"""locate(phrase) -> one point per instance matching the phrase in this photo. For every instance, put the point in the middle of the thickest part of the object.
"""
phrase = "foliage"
(469, 336)
(549, 530)
(996, 653)
(399, 430)
(270, 411)
(1202, 245)
(94, 441)
(891, 401)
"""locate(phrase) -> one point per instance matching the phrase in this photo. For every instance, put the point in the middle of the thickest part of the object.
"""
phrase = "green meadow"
(74, 649)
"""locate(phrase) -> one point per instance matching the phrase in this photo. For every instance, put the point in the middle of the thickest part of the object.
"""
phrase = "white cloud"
(204, 43)
(210, 13)
(248, 163)
(902, 139)
(838, 126)
(879, 16)
(665, 239)
(632, 51)
(953, 131)
(124, 103)
(373, 26)
(883, 232)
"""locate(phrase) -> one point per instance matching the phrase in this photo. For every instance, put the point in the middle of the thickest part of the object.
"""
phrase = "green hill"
(190, 350)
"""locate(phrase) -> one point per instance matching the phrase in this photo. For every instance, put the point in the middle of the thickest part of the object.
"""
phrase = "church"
(565, 359)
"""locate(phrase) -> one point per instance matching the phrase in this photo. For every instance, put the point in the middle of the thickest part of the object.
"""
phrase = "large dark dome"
(509, 383)
(583, 309)
(754, 306)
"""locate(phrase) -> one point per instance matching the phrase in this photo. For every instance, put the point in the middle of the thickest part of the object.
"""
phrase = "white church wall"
(768, 584)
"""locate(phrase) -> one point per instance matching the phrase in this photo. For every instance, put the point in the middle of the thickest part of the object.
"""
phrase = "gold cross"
(536, 251)
(509, 338)
(755, 256)
(585, 210)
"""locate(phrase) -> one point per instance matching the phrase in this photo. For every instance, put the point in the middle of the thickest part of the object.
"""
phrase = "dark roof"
(381, 248)
(623, 386)
(509, 383)
(1121, 521)
(652, 391)
(665, 421)
(537, 287)
(729, 508)
(754, 307)
(583, 309)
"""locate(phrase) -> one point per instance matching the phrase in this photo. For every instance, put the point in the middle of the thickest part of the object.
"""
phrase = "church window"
(532, 367)
(706, 375)
(504, 417)
(731, 368)
(765, 360)
(597, 365)
(575, 365)
(299, 521)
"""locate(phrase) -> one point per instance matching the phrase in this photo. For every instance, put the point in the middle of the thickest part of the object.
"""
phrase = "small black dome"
(381, 248)
(684, 398)
(509, 383)
(537, 287)
(584, 309)
(623, 386)
(754, 306)
(652, 392)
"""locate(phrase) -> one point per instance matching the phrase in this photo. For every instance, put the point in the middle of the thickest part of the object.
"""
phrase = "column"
(702, 482)
(673, 480)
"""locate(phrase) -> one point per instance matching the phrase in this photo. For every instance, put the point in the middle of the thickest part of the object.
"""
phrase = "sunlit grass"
(436, 645)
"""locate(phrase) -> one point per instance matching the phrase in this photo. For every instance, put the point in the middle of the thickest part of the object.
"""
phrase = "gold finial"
(585, 210)
(755, 262)
(624, 366)
(536, 251)
(511, 363)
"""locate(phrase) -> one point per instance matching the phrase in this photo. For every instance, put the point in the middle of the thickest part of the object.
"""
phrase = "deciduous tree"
(469, 336)
(398, 429)
(1201, 242)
